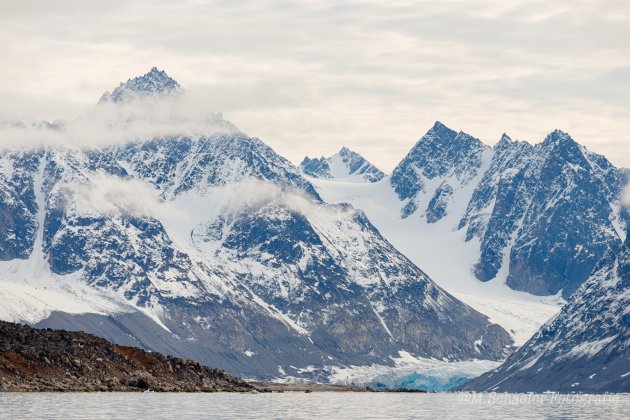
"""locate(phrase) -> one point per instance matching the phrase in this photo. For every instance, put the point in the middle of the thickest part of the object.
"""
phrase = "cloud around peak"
(111, 122)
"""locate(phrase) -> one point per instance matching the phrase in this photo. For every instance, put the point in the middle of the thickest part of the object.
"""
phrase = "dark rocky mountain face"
(17, 207)
(49, 360)
(441, 154)
(315, 167)
(585, 348)
(344, 303)
(548, 212)
(177, 165)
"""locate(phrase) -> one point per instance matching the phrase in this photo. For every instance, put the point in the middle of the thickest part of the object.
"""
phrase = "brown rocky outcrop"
(56, 360)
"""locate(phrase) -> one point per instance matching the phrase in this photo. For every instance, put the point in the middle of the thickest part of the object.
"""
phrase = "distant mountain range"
(217, 248)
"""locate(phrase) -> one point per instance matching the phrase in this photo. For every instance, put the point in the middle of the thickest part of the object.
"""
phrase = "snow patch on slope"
(25, 302)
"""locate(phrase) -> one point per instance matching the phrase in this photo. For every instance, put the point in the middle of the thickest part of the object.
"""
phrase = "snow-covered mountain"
(547, 212)
(440, 164)
(345, 165)
(555, 214)
(155, 82)
(543, 214)
(585, 348)
(217, 248)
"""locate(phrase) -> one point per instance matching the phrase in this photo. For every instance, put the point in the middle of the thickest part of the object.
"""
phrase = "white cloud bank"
(249, 194)
(310, 76)
(113, 196)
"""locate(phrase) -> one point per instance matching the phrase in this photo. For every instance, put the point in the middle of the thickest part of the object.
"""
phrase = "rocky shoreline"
(34, 360)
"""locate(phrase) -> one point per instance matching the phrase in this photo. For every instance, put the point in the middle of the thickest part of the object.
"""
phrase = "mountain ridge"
(516, 183)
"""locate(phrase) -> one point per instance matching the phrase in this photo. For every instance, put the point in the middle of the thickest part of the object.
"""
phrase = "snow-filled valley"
(442, 252)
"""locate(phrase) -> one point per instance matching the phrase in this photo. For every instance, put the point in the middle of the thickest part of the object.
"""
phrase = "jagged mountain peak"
(505, 139)
(155, 82)
(557, 137)
(560, 149)
(443, 137)
(522, 192)
(507, 144)
(546, 202)
(441, 152)
(345, 151)
(442, 130)
(346, 165)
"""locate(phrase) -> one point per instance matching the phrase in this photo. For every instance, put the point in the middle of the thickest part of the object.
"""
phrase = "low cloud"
(250, 194)
(253, 194)
(111, 196)
(111, 123)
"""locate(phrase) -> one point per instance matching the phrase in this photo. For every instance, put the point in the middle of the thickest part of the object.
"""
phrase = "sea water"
(317, 405)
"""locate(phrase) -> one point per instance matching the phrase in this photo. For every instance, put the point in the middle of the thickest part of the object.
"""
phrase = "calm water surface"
(305, 406)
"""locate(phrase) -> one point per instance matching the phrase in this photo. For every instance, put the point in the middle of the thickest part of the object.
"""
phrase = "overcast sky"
(310, 76)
